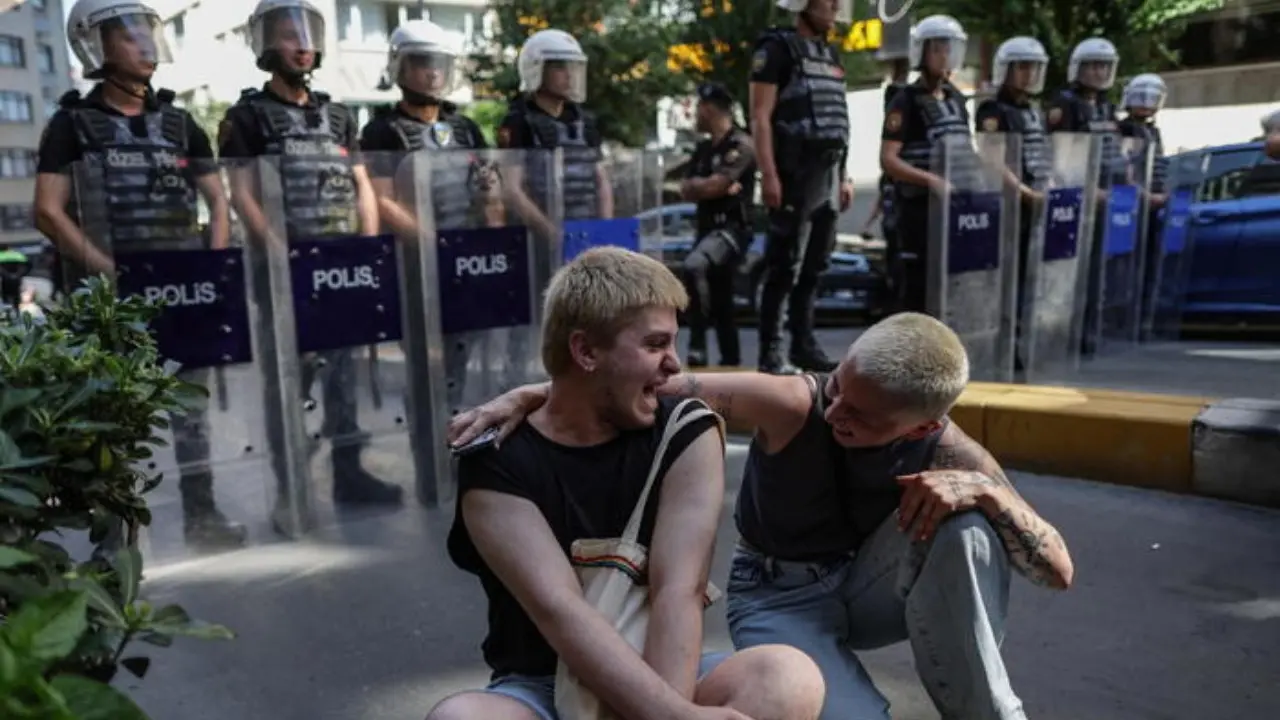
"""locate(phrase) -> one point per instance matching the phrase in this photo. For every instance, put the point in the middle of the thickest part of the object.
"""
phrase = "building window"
(15, 107)
(11, 54)
(16, 217)
(44, 56)
(17, 163)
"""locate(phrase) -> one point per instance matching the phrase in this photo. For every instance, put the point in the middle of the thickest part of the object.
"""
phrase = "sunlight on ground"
(285, 562)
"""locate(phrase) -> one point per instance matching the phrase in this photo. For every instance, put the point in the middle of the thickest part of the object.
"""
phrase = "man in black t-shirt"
(576, 469)
(868, 518)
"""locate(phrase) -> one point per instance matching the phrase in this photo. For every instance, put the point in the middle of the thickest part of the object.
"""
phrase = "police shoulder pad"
(893, 120)
(69, 99)
(991, 123)
(1054, 116)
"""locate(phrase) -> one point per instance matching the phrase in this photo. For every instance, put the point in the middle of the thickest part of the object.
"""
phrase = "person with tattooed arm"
(866, 516)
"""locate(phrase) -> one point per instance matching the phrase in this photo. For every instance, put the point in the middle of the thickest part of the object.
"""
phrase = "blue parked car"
(1234, 275)
(852, 285)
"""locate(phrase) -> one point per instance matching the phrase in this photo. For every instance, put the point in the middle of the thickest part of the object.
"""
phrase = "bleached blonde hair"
(915, 358)
(599, 293)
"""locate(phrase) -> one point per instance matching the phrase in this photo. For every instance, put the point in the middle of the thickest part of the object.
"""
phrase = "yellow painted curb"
(1127, 438)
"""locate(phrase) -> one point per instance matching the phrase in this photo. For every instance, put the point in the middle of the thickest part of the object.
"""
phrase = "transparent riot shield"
(1116, 285)
(338, 307)
(1057, 267)
(1170, 255)
(483, 272)
(973, 241)
(169, 243)
(629, 216)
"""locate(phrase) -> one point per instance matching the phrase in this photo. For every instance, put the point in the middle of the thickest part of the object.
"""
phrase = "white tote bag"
(613, 574)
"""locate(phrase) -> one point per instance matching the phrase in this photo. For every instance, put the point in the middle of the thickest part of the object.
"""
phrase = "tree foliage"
(209, 115)
(1140, 29)
(621, 38)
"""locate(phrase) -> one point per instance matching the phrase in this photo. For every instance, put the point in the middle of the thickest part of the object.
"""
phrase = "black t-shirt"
(60, 145)
(735, 158)
(515, 132)
(381, 143)
(771, 62)
(583, 492)
(240, 134)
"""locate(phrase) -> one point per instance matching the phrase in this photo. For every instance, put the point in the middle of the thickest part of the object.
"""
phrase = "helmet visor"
(565, 78)
(427, 71)
(945, 54)
(1096, 73)
(1025, 75)
(1147, 97)
(289, 30)
(129, 39)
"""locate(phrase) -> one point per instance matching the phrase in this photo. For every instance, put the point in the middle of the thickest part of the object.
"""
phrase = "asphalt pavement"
(1175, 613)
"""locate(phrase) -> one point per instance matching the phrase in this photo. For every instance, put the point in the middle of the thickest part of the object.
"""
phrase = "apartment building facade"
(213, 62)
(34, 73)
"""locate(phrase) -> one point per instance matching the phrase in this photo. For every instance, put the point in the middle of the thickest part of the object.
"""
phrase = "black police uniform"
(810, 148)
(918, 118)
(390, 135)
(1146, 131)
(314, 142)
(1013, 114)
(889, 221)
(1072, 110)
(137, 179)
(723, 234)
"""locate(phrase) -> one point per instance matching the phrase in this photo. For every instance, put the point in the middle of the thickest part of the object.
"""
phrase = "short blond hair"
(915, 358)
(599, 293)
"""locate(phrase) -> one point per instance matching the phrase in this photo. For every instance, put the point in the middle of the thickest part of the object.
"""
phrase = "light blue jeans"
(948, 597)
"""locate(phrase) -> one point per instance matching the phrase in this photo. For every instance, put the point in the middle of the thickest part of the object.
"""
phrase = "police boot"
(806, 353)
(353, 485)
(204, 527)
(771, 357)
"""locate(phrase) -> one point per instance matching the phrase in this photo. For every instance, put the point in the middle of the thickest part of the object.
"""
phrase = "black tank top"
(815, 499)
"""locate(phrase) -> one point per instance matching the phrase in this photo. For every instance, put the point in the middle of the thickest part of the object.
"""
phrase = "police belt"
(796, 154)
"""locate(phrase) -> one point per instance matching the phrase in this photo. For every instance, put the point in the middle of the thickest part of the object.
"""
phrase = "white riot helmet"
(1094, 51)
(1020, 50)
(1145, 91)
(844, 8)
(90, 21)
(285, 26)
(942, 28)
(421, 44)
(558, 49)
(1271, 122)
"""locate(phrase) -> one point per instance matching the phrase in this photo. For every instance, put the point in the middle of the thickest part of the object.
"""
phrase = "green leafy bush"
(83, 397)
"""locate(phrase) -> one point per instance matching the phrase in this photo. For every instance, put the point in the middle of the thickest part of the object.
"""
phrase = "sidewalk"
(1172, 616)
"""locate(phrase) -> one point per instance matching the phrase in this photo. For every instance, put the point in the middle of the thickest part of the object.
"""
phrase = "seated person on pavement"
(867, 517)
(574, 469)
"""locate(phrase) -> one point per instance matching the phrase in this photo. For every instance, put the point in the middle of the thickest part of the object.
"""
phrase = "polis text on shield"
(1064, 213)
(975, 221)
(480, 265)
(347, 278)
(186, 295)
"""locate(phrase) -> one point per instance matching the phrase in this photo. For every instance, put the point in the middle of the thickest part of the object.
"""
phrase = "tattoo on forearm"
(1030, 543)
(721, 403)
(961, 452)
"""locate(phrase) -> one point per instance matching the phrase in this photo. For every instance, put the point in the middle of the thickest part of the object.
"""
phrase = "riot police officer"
(800, 125)
(326, 192)
(721, 180)
(119, 43)
(548, 115)
(1271, 134)
(1083, 107)
(1018, 71)
(423, 62)
(918, 117)
(1142, 99)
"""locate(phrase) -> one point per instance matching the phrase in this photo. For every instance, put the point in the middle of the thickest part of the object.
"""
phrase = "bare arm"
(605, 191)
(210, 187)
(366, 201)
(775, 405)
(395, 216)
(1035, 547)
(514, 540)
(53, 192)
(519, 200)
(902, 171)
(684, 537)
(244, 198)
(764, 98)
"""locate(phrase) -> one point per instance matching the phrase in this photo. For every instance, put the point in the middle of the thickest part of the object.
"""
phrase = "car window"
(1224, 172)
(677, 224)
(1261, 179)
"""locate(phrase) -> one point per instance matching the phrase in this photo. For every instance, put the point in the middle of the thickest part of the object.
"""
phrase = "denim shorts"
(538, 692)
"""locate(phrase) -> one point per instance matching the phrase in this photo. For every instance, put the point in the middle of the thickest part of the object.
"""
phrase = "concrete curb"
(1228, 449)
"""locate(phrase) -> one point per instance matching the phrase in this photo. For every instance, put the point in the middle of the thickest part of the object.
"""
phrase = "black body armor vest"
(939, 117)
(1099, 118)
(1027, 123)
(812, 112)
(580, 141)
(1152, 146)
(451, 172)
(137, 184)
(315, 168)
